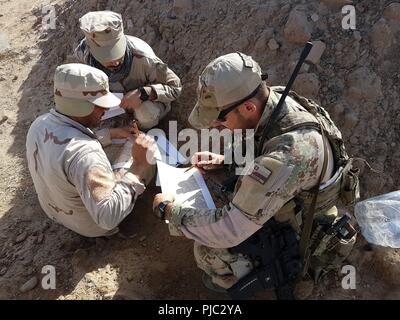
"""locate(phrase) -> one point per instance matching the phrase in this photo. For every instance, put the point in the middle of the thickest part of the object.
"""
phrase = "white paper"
(167, 153)
(114, 111)
(118, 141)
(189, 188)
(120, 165)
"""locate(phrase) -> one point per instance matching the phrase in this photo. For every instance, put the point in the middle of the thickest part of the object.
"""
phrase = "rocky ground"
(353, 73)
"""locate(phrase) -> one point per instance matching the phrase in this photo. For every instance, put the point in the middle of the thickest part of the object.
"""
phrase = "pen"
(192, 166)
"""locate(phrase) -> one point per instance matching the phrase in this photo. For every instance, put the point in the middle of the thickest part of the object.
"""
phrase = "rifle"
(278, 108)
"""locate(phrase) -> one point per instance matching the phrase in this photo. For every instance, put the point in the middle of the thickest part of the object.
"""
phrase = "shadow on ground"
(141, 262)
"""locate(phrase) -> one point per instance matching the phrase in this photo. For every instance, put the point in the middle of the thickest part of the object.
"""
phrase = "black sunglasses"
(222, 115)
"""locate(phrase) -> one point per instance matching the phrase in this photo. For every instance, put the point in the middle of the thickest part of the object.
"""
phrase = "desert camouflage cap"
(79, 87)
(104, 32)
(224, 82)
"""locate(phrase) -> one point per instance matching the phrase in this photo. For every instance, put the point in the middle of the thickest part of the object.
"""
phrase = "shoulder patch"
(258, 195)
(260, 174)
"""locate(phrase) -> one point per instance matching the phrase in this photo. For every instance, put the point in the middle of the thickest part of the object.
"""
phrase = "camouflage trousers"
(224, 267)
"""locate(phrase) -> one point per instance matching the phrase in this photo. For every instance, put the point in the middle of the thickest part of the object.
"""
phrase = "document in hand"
(167, 151)
(114, 111)
(188, 187)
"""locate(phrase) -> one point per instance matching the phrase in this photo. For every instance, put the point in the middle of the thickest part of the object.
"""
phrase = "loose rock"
(21, 237)
(364, 84)
(392, 11)
(3, 117)
(357, 35)
(314, 17)
(273, 45)
(350, 120)
(298, 29)
(263, 40)
(316, 52)
(29, 285)
(4, 43)
(307, 84)
(304, 68)
(381, 36)
(389, 264)
(182, 4)
(40, 239)
(3, 271)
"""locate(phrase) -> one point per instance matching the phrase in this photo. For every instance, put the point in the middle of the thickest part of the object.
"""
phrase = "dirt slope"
(356, 79)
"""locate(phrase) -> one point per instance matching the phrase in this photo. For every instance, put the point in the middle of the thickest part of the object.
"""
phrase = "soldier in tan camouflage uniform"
(233, 94)
(149, 86)
(73, 178)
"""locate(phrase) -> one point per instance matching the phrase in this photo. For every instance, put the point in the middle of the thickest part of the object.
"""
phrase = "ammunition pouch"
(332, 238)
(350, 188)
(275, 247)
(330, 245)
(274, 250)
(328, 251)
(343, 186)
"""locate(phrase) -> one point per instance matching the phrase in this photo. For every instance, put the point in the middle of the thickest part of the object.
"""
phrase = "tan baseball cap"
(79, 87)
(104, 32)
(225, 81)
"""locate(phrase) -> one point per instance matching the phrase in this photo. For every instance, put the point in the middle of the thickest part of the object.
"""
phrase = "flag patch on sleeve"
(260, 174)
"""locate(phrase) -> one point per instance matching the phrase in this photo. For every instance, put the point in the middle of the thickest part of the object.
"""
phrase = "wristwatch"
(160, 209)
(144, 96)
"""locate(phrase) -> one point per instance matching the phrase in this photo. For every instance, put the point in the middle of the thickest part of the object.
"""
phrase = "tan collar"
(72, 123)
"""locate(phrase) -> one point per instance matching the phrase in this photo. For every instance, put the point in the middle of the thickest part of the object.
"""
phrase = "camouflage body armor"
(329, 245)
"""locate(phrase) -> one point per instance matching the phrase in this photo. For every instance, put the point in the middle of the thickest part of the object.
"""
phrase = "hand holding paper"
(189, 188)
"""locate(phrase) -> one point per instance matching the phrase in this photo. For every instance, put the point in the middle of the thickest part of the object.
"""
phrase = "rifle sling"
(308, 223)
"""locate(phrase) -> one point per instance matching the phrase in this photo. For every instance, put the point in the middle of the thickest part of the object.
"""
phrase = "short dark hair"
(262, 93)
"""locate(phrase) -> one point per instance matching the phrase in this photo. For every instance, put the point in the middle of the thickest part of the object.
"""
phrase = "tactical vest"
(327, 252)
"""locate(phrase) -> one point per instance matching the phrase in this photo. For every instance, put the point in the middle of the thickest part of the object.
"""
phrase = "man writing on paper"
(73, 178)
(232, 94)
(149, 86)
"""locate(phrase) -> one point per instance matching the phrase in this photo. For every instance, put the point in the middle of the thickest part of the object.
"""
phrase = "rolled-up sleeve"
(293, 163)
(107, 199)
(216, 228)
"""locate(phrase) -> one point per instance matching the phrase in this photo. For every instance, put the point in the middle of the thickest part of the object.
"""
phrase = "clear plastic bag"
(379, 219)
